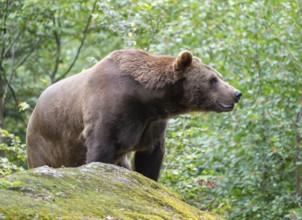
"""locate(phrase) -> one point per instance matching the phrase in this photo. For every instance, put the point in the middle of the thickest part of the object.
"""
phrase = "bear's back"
(153, 71)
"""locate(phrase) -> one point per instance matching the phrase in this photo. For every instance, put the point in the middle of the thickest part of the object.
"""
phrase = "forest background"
(246, 164)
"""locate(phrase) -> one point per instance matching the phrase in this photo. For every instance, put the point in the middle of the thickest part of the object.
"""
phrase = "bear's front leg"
(148, 162)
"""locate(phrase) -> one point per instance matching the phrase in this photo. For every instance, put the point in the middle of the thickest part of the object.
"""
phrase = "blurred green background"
(246, 164)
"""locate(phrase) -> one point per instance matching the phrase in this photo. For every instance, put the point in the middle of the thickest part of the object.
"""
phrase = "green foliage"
(13, 155)
(254, 153)
(246, 164)
(135, 24)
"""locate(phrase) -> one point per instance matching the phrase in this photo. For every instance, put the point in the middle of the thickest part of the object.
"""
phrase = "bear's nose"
(238, 94)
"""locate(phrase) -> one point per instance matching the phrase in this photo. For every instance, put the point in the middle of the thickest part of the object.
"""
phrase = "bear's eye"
(213, 80)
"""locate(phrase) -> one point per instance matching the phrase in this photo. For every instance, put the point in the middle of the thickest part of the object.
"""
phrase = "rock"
(93, 191)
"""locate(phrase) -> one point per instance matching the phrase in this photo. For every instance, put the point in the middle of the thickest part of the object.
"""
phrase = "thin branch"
(154, 29)
(299, 114)
(42, 66)
(85, 32)
(4, 92)
(2, 70)
(11, 75)
(297, 142)
(58, 52)
(58, 19)
(14, 97)
(25, 57)
(14, 68)
(12, 42)
(4, 32)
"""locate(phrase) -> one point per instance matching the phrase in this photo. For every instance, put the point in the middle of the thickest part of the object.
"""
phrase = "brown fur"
(153, 71)
(122, 104)
(183, 61)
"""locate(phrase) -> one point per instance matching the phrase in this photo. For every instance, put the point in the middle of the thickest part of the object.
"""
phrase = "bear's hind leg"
(100, 153)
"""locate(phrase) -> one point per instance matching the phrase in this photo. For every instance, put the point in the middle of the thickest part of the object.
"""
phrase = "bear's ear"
(183, 61)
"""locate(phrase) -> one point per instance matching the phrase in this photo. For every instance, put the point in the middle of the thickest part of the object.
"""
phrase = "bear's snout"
(238, 95)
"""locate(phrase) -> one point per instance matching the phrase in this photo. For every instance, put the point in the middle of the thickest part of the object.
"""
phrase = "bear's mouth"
(226, 106)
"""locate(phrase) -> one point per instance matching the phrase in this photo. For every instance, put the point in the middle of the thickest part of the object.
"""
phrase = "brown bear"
(120, 105)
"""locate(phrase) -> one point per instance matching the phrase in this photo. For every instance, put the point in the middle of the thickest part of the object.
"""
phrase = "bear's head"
(204, 88)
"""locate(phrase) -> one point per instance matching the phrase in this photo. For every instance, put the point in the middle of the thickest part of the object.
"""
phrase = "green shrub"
(13, 153)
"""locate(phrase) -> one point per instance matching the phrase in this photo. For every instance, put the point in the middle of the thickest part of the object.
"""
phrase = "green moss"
(94, 191)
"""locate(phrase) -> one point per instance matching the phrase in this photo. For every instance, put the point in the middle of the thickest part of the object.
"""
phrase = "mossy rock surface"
(94, 191)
